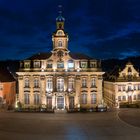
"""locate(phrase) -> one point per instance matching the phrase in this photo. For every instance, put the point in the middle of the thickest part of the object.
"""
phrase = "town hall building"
(60, 79)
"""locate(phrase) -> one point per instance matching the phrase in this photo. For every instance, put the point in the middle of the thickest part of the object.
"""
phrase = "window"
(129, 88)
(27, 83)
(60, 64)
(138, 96)
(70, 64)
(134, 97)
(49, 65)
(93, 98)
(1, 87)
(36, 82)
(84, 82)
(124, 98)
(60, 84)
(36, 64)
(49, 85)
(119, 98)
(93, 82)
(93, 64)
(36, 99)
(27, 65)
(26, 98)
(123, 88)
(119, 88)
(59, 43)
(83, 64)
(70, 84)
(134, 87)
(139, 87)
(84, 98)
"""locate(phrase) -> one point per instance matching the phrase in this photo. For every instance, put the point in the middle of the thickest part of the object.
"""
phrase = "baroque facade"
(122, 86)
(60, 79)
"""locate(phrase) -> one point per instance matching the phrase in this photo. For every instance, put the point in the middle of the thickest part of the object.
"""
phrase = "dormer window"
(36, 64)
(93, 64)
(59, 43)
(60, 64)
(83, 64)
(26, 64)
(70, 64)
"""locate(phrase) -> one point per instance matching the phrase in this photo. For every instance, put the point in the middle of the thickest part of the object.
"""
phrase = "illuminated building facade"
(122, 86)
(60, 79)
(7, 89)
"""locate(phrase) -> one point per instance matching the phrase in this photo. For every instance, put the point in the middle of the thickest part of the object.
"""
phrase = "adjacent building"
(122, 86)
(60, 79)
(7, 89)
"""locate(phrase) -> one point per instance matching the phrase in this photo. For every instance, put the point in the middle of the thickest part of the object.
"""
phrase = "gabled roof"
(40, 56)
(5, 75)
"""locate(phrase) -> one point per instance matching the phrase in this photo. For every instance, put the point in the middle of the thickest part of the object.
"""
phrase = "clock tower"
(60, 37)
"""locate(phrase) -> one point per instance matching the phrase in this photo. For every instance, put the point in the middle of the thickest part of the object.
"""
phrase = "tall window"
(123, 88)
(59, 43)
(129, 88)
(70, 64)
(60, 84)
(36, 99)
(124, 98)
(49, 85)
(26, 98)
(83, 98)
(119, 98)
(93, 82)
(134, 97)
(84, 82)
(93, 98)
(138, 96)
(70, 84)
(119, 88)
(60, 64)
(36, 82)
(27, 83)
(138, 86)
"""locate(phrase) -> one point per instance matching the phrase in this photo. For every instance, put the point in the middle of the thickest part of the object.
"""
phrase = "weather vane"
(60, 9)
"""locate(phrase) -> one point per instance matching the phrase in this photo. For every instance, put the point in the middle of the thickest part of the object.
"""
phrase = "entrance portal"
(60, 102)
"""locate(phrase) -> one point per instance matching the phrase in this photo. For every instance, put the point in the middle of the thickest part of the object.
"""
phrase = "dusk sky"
(99, 28)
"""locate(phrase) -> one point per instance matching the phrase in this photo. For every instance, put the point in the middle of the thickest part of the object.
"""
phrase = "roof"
(5, 75)
(79, 56)
(40, 56)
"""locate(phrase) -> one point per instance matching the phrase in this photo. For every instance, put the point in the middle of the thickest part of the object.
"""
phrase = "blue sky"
(99, 28)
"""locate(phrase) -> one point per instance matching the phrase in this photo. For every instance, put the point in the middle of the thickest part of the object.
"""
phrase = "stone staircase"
(60, 111)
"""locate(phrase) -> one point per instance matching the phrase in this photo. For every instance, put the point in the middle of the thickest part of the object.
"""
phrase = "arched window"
(70, 84)
(83, 98)
(93, 98)
(36, 99)
(27, 82)
(36, 82)
(60, 84)
(49, 85)
(60, 43)
(27, 98)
